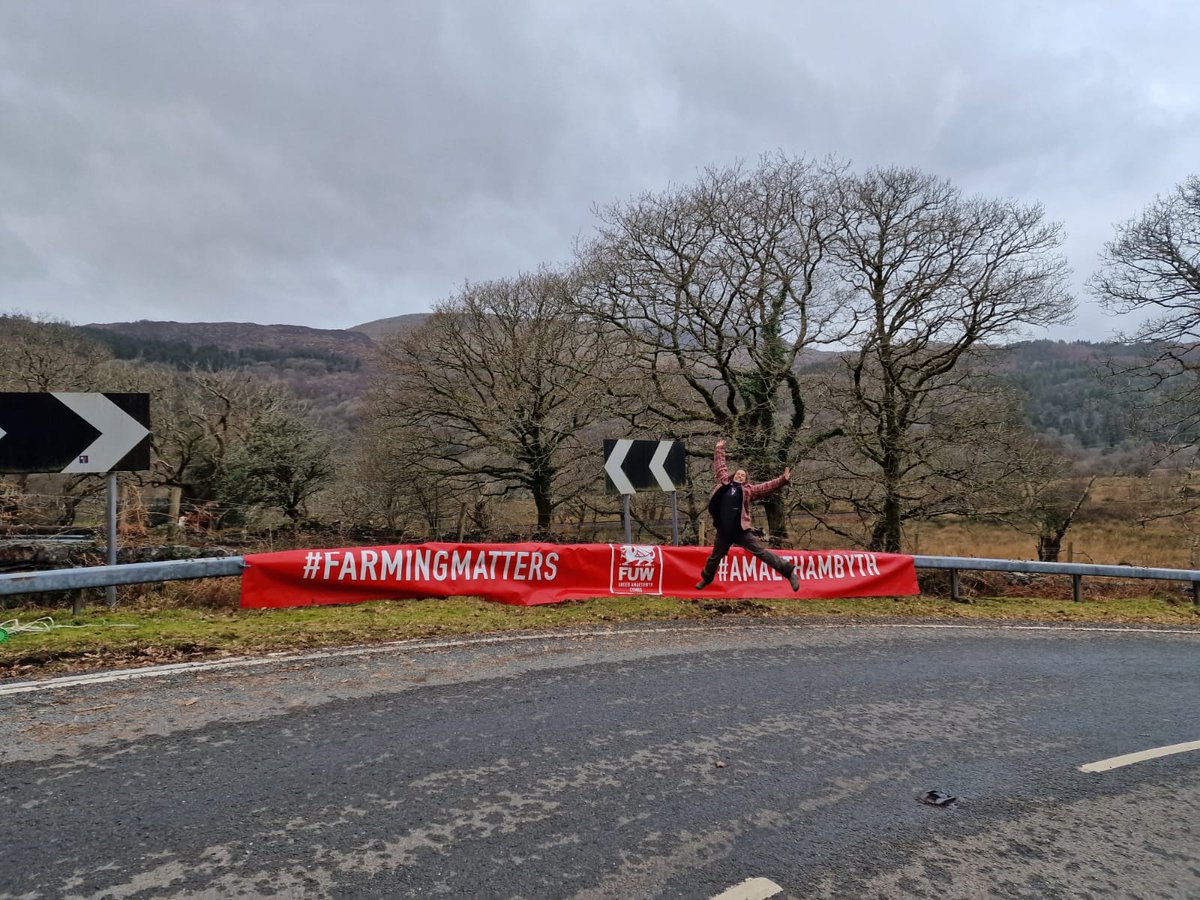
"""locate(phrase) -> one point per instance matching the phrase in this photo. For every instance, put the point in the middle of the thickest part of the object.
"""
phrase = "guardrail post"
(1077, 588)
(955, 587)
(1196, 593)
(77, 605)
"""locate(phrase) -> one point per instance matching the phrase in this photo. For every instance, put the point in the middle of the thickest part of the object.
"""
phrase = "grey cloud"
(330, 163)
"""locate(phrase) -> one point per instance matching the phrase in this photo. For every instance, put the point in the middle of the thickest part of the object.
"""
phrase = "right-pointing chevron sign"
(74, 432)
(639, 465)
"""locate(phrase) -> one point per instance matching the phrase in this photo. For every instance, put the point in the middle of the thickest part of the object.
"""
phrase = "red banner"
(529, 574)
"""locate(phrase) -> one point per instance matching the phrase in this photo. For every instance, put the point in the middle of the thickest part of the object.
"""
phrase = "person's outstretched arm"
(720, 470)
(765, 487)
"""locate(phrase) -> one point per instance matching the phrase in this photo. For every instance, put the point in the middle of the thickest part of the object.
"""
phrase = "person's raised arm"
(720, 470)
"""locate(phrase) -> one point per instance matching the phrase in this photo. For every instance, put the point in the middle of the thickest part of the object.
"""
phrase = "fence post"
(462, 521)
(174, 501)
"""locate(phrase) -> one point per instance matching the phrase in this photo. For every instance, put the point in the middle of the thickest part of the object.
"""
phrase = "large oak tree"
(718, 288)
(932, 278)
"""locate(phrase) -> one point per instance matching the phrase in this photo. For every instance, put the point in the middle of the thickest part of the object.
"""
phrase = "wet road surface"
(657, 761)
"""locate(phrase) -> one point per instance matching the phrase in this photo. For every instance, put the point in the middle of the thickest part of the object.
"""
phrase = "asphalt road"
(644, 762)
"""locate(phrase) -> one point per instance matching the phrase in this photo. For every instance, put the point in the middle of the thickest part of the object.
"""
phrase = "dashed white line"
(1116, 762)
(751, 889)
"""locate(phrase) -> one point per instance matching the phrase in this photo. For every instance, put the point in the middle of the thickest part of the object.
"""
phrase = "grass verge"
(155, 628)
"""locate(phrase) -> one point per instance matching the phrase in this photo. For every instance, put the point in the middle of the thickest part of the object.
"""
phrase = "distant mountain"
(382, 328)
(166, 340)
(244, 336)
(330, 370)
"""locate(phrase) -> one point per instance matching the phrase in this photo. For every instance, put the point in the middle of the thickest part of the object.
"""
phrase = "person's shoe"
(702, 584)
(794, 579)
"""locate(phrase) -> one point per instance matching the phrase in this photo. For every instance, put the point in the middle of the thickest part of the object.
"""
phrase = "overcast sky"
(328, 164)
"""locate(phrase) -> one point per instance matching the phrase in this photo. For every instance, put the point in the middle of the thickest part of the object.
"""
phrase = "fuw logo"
(636, 569)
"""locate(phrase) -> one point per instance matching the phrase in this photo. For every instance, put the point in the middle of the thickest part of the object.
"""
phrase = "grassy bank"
(159, 627)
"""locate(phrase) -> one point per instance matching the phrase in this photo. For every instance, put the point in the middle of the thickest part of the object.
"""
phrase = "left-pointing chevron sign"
(633, 465)
(74, 433)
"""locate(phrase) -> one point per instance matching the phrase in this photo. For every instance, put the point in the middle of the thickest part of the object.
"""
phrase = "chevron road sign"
(74, 433)
(640, 465)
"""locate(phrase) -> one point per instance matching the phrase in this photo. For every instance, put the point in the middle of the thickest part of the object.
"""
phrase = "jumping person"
(729, 505)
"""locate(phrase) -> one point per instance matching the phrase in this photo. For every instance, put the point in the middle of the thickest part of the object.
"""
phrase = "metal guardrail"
(126, 573)
(183, 569)
(957, 564)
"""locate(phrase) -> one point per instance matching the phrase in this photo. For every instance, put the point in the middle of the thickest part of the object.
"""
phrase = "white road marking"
(283, 656)
(1115, 762)
(751, 889)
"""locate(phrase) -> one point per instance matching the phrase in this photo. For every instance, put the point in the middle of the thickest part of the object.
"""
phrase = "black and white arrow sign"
(633, 465)
(74, 433)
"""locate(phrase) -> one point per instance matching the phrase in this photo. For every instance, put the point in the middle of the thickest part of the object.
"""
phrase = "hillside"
(1068, 391)
(1066, 388)
(379, 329)
(234, 337)
(329, 370)
(332, 368)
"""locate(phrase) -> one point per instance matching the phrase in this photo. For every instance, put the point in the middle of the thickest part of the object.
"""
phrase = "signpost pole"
(111, 591)
(674, 518)
(628, 530)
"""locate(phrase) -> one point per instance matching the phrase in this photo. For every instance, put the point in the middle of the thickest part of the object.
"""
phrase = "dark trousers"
(748, 542)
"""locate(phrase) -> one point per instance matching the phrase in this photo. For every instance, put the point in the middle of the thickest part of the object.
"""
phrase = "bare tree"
(199, 418)
(43, 354)
(1152, 266)
(932, 277)
(964, 457)
(1043, 497)
(718, 288)
(1054, 512)
(229, 439)
(389, 484)
(497, 388)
